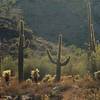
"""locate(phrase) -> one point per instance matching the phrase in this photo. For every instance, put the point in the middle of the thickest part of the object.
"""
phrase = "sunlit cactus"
(58, 61)
(20, 53)
(0, 67)
(92, 42)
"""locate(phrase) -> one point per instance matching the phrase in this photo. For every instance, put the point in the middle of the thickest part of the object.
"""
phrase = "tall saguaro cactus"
(58, 61)
(20, 52)
(92, 42)
(0, 66)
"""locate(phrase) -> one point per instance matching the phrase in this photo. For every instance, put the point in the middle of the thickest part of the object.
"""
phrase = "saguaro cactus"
(0, 66)
(92, 42)
(20, 52)
(58, 61)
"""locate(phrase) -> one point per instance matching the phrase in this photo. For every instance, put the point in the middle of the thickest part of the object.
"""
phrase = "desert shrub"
(42, 63)
(9, 63)
(28, 53)
(78, 62)
(77, 65)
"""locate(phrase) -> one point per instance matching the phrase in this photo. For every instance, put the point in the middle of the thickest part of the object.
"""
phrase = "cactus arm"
(93, 38)
(91, 28)
(50, 57)
(24, 44)
(65, 62)
(93, 35)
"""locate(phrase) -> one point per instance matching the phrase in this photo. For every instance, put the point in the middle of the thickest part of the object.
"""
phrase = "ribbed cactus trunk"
(0, 58)
(0, 66)
(92, 42)
(58, 61)
(20, 53)
(58, 69)
(58, 72)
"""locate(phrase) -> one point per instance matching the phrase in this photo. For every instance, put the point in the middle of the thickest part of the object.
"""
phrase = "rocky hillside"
(9, 40)
(50, 17)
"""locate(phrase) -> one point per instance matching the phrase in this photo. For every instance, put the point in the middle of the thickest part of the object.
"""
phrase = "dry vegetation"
(32, 50)
(82, 89)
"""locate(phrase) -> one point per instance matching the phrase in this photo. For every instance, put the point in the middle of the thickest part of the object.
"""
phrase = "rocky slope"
(48, 18)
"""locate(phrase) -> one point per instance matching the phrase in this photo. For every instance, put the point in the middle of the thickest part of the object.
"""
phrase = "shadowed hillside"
(49, 17)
